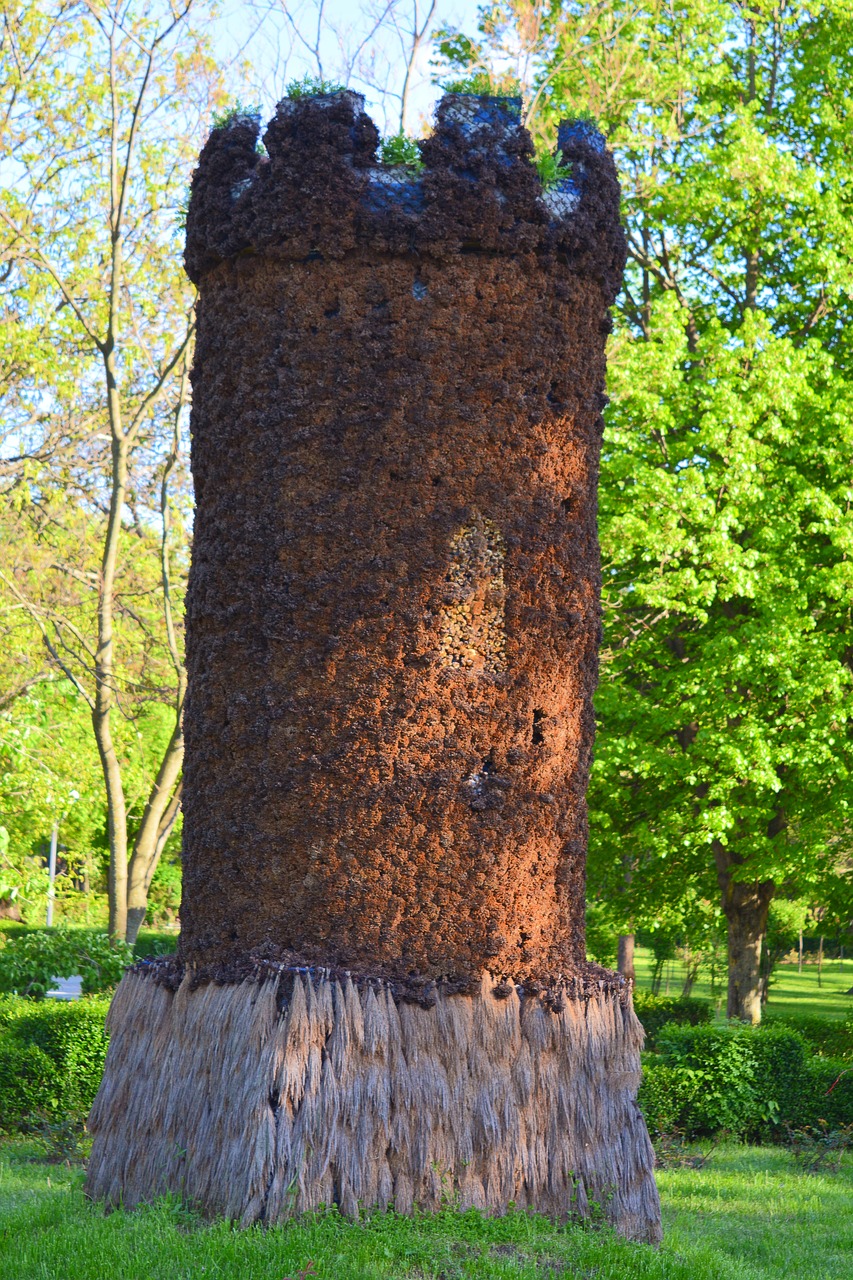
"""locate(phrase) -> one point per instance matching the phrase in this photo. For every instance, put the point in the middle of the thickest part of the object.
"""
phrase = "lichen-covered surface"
(397, 412)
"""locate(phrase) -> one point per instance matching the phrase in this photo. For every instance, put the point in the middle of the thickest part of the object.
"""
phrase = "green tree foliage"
(102, 108)
(49, 774)
(31, 962)
(724, 752)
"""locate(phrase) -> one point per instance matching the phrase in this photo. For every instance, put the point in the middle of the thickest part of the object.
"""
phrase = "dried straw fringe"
(347, 1098)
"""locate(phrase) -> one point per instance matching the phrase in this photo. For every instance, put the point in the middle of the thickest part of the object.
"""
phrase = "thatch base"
(345, 1097)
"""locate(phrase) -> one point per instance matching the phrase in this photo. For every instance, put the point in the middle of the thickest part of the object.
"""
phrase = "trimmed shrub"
(720, 1068)
(828, 1037)
(753, 1081)
(828, 1093)
(666, 1098)
(659, 1011)
(51, 1058)
(151, 943)
(782, 1059)
(26, 1079)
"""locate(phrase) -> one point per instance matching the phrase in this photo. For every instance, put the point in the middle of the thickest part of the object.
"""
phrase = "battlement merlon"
(320, 190)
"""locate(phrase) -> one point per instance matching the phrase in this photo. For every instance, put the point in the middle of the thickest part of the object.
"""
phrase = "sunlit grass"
(748, 1215)
(790, 992)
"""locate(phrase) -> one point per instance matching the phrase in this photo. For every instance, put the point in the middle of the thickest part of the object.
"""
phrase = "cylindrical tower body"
(393, 612)
(381, 995)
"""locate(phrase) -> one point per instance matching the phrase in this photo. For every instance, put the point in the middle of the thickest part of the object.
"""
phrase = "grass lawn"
(790, 991)
(747, 1215)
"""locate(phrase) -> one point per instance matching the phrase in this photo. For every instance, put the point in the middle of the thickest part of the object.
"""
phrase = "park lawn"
(749, 1214)
(790, 992)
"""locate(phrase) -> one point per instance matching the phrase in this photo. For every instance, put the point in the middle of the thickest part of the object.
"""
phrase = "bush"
(781, 1059)
(666, 1098)
(51, 1058)
(29, 962)
(753, 1081)
(826, 1036)
(658, 1011)
(151, 943)
(828, 1093)
(26, 1076)
(721, 1071)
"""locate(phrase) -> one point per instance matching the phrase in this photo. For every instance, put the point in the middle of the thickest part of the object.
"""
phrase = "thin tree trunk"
(418, 35)
(692, 965)
(625, 958)
(746, 906)
(157, 823)
(820, 961)
(105, 679)
(752, 266)
(164, 800)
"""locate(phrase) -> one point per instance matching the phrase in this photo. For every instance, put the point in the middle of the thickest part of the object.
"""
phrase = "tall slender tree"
(101, 107)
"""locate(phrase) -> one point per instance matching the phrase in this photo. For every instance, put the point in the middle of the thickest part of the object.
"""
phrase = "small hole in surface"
(566, 504)
(538, 734)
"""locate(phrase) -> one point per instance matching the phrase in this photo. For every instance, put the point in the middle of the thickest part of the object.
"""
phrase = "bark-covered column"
(393, 623)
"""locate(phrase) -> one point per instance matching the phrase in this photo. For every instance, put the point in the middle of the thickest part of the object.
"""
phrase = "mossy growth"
(235, 111)
(483, 85)
(313, 87)
(401, 151)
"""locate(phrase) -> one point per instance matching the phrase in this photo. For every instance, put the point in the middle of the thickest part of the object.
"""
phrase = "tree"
(724, 752)
(101, 109)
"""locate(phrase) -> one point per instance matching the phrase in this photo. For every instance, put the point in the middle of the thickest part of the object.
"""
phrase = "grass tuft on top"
(401, 151)
(313, 87)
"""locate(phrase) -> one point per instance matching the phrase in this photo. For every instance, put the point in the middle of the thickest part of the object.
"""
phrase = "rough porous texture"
(336, 1096)
(381, 994)
(394, 600)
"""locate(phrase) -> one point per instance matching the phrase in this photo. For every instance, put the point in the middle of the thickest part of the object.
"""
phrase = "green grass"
(747, 1215)
(790, 992)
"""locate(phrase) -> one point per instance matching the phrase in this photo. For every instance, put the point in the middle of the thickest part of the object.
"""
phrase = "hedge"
(154, 942)
(755, 1082)
(831, 1038)
(51, 1058)
(659, 1011)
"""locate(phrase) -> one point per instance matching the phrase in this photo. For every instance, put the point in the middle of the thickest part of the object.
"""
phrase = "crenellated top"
(319, 189)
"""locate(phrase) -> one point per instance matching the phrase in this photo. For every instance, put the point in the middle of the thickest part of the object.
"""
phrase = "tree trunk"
(104, 676)
(146, 855)
(625, 958)
(692, 963)
(745, 905)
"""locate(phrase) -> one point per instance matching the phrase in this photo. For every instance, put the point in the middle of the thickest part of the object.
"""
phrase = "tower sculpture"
(381, 995)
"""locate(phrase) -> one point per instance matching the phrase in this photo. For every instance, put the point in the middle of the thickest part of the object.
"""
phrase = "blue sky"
(273, 46)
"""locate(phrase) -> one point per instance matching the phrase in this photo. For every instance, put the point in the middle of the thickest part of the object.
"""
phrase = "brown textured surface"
(382, 374)
(345, 1096)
